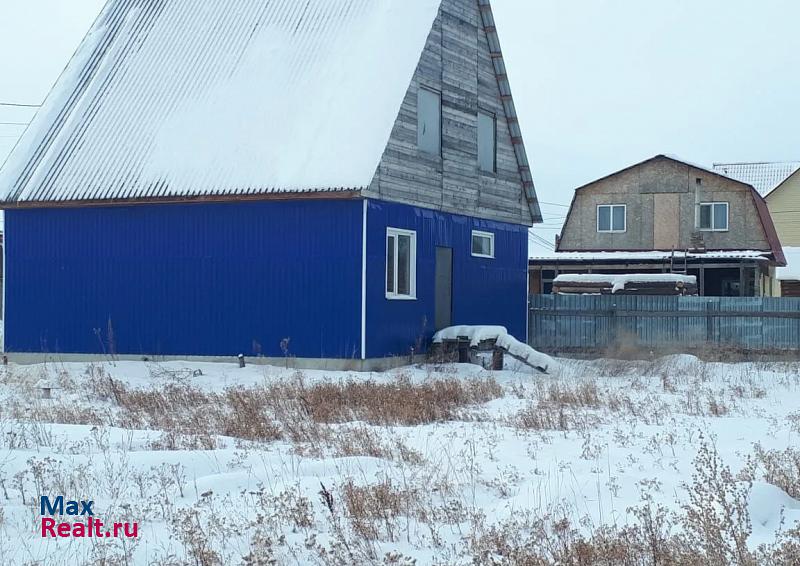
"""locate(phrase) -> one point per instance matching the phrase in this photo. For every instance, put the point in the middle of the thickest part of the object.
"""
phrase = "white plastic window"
(482, 244)
(401, 264)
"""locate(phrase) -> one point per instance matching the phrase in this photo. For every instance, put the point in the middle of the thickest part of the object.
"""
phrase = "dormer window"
(612, 218)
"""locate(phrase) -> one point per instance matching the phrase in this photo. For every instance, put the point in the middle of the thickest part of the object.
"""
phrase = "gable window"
(713, 217)
(482, 244)
(487, 142)
(612, 218)
(401, 264)
(429, 121)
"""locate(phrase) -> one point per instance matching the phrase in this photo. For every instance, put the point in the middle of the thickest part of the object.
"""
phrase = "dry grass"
(289, 409)
(419, 501)
(543, 417)
(374, 510)
(401, 402)
(358, 440)
(711, 529)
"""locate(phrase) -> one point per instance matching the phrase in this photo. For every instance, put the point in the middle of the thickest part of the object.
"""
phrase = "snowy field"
(674, 461)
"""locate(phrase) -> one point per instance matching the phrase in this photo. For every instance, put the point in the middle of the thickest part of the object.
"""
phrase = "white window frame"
(611, 219)
(481, 234)
(713, 227)
(412, 269)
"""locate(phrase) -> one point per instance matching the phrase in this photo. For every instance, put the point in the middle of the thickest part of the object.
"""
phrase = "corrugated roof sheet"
(169, 98)
(764, 176)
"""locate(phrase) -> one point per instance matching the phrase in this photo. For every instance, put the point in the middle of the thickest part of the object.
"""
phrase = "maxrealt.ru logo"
(91, 528)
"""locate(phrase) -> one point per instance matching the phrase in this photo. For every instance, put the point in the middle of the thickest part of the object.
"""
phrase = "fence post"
(614, 324)
(711, 308)
(463, 350)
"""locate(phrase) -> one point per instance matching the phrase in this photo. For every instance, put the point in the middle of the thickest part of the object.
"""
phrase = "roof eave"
(329, 194)
(781, 184)
(529, 189)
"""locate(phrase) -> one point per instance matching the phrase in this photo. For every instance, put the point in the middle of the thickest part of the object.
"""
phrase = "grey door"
(444, 287)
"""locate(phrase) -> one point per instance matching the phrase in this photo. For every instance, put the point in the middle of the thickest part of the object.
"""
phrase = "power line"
(541, 241)
(18, 105)
(14, 123)
(538, 237)
(544, 243)
(554, 204)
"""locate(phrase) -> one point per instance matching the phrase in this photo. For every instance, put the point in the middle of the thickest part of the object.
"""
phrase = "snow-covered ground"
(445, 464)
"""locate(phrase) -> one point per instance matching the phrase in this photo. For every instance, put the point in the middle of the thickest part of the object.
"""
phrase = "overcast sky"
(598, 84)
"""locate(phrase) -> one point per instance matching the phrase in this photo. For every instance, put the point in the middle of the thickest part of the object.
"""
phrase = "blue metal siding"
(197, 279)
(485, 291)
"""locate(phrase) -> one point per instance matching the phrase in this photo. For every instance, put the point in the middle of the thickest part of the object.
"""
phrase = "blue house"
(328, 179)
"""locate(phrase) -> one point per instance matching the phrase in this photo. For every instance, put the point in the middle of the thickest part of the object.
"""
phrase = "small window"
(612, 218)
(429, 121)
(401, 264)
(482, 244)
(487, 142)
(713, 217)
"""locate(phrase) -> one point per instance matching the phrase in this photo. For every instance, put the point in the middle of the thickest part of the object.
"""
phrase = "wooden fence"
(596, 323)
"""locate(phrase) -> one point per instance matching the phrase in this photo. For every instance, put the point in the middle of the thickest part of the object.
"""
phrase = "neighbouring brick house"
(665, 215)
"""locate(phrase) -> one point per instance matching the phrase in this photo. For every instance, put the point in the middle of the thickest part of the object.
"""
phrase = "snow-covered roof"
(555, 257)
(222, 97)
(764, 176)
(792, 270)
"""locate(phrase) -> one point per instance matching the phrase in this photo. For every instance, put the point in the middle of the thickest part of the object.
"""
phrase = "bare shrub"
(700, 402)
(785, 551)
(716, 520)
(101, 384)
(533, 541)
(780, 468)
(193, 534)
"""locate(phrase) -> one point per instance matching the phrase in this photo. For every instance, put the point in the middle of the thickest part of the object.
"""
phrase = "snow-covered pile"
(503, 339)
(618, 282)
(651, 255)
